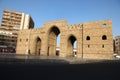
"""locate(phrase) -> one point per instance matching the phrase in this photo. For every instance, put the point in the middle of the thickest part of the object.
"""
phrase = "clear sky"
(74, 11)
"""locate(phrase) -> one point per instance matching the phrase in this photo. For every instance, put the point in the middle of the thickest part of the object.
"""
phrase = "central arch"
(71, 43)
(52, 41)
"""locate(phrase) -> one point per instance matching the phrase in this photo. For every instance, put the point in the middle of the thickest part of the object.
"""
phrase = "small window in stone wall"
(104, 37)
(116, 42)
(88, 46)
(103, 46)
(20, 40)
(88, 38)
(104, 25)
(26, 40)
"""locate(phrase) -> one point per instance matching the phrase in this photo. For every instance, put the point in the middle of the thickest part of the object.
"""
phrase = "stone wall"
(94, 39)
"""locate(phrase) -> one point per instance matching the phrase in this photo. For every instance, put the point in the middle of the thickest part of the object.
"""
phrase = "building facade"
(94, 40)
(12, 22)
(15, 21)
(7, 41)
(117, 44)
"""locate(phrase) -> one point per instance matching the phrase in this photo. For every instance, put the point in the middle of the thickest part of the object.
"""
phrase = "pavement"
(32, 59)
(21, 67)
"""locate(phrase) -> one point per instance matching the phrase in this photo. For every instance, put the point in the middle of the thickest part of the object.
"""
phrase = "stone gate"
(94, 40)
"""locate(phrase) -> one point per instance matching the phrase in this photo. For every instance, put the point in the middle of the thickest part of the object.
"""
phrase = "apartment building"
(117, 44)
(12, 22)
(7, 41)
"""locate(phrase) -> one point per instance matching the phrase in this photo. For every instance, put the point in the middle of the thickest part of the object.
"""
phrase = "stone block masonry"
(94, 40)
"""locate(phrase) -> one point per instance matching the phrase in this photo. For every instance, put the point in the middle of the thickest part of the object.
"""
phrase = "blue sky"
(74, 11)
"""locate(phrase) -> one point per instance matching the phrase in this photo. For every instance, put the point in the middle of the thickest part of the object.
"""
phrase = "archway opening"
(58, 45)
(75, 48)
(54, 40)
(38, 46)
(72, 46)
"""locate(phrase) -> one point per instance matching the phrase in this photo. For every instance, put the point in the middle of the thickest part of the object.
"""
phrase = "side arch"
(70, 46)
(38, 46)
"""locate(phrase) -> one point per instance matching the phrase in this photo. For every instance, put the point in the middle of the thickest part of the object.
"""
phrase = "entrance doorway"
(72, 46)
(52, 41)
(38, 46)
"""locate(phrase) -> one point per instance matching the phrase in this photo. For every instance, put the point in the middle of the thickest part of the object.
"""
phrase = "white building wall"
(22, 21)
(25, 21)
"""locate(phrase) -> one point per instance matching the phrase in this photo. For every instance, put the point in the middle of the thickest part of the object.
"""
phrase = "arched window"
(88, 38)
(104, 37)
(104, 25)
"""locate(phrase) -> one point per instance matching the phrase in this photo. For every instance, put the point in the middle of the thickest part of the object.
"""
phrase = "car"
(117, 56)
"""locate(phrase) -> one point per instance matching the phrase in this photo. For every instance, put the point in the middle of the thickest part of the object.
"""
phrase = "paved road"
(106, 70)
(43, 59)
(96, 71)
(72, 60)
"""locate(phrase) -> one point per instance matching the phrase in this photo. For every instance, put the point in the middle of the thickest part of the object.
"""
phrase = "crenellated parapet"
(74, 26)
(35, 30)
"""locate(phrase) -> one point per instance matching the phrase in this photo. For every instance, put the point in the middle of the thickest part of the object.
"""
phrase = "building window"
(104, 25)
(103, 46)
(20, 40)
(116, 42)
(88, 38)
(88, 46)
(104, 37)
(26, 40)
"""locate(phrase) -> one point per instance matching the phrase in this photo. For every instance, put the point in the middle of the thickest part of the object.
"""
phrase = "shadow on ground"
(49, 69)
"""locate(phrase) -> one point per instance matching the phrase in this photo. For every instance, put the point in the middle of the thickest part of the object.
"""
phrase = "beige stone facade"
(94, 40)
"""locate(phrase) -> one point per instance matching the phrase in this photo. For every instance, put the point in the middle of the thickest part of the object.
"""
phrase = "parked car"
(117, 56)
